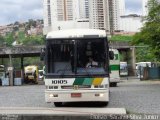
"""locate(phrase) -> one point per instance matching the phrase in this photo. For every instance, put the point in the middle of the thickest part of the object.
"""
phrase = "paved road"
(135, 96)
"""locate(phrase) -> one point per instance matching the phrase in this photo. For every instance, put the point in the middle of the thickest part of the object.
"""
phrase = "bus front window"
(91, 57)
(59, 58)
(80, 57)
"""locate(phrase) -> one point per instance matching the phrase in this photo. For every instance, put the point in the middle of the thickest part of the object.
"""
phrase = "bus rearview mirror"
(42, 55)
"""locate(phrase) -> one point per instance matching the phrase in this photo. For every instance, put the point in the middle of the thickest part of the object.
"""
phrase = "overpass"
(20, 51)
(34, 51)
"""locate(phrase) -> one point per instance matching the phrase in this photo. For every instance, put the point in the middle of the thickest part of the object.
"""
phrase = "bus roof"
(77, 33)
(143, 63)
(2, 66)
(114, 50)
(123, 62)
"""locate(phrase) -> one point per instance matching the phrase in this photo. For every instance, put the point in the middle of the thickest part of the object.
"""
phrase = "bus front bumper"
(77, 96)
(115, 80)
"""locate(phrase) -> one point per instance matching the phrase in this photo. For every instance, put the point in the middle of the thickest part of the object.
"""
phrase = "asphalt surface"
(137, 97)
(134, 95)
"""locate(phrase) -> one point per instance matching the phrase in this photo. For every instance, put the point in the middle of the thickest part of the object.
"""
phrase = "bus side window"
(111, 55)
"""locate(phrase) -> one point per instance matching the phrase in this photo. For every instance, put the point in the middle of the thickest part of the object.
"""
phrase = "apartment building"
(116, 9)
(65, 14)
(95, 14)
(105, 14)
(145, 7)
(83, 9)
(99, 14)
(146, 4)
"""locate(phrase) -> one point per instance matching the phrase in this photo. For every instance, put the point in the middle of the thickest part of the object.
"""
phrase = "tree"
(34, 40)
(2, 40)
(16, 23)
(150, 32)
(31, 22)
(9, 38)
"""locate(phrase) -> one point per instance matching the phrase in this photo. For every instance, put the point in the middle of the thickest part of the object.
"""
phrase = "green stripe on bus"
(78, 81)
(114, 67)
(88, 81)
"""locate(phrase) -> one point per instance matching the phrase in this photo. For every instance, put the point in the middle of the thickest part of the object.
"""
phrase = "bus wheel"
(58, 104)
(35, 82)
(113, 84)
(26, 81)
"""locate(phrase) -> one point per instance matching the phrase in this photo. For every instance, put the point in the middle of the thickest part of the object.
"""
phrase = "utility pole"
(10, 70)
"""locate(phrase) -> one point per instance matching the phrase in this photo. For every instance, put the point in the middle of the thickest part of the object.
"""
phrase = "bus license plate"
(74, 95)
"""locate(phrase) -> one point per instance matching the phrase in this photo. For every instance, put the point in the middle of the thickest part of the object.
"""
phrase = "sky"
(22, 10)
(133, 6)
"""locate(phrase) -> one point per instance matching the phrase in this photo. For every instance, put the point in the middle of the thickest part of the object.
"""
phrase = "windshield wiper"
(86, 70)
(68, 65)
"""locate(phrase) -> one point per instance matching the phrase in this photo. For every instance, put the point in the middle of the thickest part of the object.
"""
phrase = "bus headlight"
(101, 95)
(51, 95)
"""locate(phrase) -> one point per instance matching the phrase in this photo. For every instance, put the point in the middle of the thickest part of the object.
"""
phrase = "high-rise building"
(145, 7)
(65, 14)
(47, 13)
(99, 14)
(83, 9)
(96, 14)
(121, 7)
(105, 14)
(116, 10)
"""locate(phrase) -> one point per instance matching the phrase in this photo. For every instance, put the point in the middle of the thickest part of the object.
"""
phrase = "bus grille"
(76, 87)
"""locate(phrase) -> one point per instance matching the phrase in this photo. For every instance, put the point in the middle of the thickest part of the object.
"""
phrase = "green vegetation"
(27, 61)
(150, 33)
(144, 54)
(122, 38)
(21, 36)
(9, 38)
(34, 40)
(2, 40)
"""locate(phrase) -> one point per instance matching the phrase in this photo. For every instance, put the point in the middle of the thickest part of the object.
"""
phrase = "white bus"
(123, 69)
(2, 73)
(67, 79)
(115, 68)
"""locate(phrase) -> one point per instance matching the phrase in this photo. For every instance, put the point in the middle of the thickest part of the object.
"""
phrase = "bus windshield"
(77, 57)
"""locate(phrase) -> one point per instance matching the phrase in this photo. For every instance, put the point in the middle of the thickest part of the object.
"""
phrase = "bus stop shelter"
(18, 52)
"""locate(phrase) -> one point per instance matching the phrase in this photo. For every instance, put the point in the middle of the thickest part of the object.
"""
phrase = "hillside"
(27, 33)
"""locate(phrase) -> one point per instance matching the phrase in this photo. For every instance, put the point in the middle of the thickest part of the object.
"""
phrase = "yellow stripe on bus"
(97, 81)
